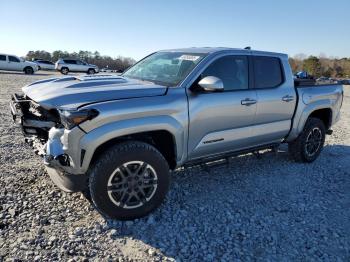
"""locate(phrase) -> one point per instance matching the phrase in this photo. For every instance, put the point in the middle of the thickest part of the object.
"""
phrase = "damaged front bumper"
(58, 147)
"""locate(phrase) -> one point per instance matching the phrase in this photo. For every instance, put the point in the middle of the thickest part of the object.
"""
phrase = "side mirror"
(211, 84)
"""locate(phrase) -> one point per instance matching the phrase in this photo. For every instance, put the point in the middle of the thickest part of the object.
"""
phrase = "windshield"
(166, 68)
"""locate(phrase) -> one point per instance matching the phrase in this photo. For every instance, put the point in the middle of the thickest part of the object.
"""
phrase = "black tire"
(299, 149)
(91, 71)
(64, 70)
(28, 70)
(113, 161)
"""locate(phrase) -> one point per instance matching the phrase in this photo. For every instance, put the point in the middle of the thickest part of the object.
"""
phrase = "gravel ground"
(249, 209)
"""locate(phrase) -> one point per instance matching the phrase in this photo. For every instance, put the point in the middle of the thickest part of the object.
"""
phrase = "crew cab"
(117, 137)
(14, 63)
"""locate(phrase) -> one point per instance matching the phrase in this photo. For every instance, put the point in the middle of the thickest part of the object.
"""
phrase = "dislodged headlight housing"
(72, 118)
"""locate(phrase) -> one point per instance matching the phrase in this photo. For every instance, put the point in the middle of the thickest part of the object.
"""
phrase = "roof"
(207, 50)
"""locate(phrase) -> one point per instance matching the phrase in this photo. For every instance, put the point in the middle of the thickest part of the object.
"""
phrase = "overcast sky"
(135, 28)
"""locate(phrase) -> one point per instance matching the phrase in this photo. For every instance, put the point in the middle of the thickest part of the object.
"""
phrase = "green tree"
(339, 71)
(313, 66)
(39, 54)
(329, 72)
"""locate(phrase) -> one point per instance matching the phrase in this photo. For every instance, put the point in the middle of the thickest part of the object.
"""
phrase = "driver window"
(232, 70)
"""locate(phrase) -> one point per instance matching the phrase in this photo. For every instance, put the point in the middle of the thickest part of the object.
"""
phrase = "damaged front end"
(34, 121)
(44, 132)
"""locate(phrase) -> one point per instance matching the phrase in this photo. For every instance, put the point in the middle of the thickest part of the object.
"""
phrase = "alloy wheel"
(313, 141)
(132, 184)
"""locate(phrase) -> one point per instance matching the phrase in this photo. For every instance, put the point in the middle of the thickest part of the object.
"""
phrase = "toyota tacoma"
(118, 137)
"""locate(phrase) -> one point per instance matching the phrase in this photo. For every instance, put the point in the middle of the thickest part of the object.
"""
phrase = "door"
(47, 65)
(276, 99)
(72, 65)
(81, 66)
(3, 62)
(14, 64)
(220, 122)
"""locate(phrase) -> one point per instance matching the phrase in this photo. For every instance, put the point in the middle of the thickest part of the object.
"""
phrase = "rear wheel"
(129, 180)
(64, 70)
(309, 144)
(28, 70)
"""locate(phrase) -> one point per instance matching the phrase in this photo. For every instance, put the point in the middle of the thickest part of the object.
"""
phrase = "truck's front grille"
(34, 120)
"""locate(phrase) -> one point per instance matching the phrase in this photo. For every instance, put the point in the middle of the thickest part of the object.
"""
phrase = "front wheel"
(28, 70)
(129, 180)
(309, 144)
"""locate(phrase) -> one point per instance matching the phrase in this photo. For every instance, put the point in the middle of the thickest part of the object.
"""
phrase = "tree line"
(119, 63)
(321, 66)
(315, 66)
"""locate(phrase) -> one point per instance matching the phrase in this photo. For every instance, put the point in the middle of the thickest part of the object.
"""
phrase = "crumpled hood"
(75, 91)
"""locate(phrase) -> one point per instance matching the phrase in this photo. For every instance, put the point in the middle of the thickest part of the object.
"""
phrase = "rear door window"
(2, 58)
(73, 62)
(13, 59)
(267, 72)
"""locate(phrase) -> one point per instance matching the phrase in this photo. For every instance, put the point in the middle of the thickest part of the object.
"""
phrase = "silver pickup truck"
(117, 137)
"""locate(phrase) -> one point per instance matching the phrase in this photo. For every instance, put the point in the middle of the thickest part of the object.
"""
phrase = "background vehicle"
(14, 63)
(120, 135)
(344, 81)
(45, 65)
(75, 65)
(107, 70)
(326, 80)
(303, 75)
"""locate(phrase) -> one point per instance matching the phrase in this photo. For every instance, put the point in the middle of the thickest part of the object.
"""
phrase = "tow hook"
(62, 160)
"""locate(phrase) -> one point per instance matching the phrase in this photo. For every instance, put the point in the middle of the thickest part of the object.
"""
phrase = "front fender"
(93, 139)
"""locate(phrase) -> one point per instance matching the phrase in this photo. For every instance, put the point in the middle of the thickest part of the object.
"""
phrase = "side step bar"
(224, 158)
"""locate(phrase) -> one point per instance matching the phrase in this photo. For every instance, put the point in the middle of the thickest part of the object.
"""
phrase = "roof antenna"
(247, 48)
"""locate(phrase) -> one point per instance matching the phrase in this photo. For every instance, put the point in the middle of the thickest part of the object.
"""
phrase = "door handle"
(287, 98)
(248, 102)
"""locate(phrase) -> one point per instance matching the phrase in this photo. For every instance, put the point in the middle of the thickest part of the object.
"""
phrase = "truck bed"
(313, 97)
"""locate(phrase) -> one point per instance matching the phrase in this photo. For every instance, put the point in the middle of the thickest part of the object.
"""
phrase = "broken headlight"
(72, 118)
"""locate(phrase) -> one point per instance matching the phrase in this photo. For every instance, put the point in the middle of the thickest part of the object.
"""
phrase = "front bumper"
(63, 159)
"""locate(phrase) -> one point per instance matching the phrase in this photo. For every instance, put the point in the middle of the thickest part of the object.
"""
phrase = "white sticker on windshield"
(189, 57)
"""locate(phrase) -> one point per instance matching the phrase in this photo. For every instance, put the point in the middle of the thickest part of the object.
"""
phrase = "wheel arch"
(324, 114)
(27, 66)
(319, 110)
(63, 68)
(91, 68)
(162, 140)
(168, 139)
